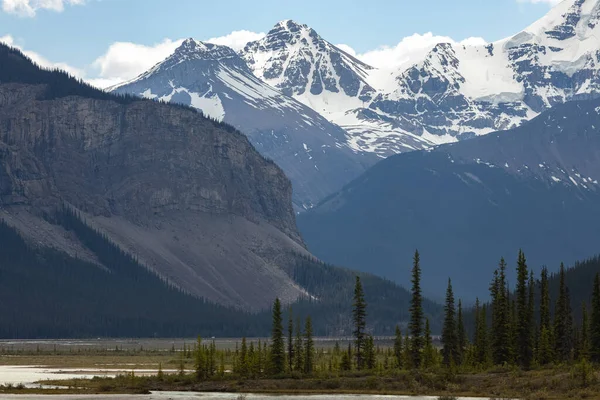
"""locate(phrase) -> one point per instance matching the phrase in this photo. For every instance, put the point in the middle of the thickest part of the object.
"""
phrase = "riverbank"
(549, 384)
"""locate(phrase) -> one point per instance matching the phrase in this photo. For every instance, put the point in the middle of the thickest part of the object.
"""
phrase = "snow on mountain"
(313, 152)
(458, 92)
(455, 92)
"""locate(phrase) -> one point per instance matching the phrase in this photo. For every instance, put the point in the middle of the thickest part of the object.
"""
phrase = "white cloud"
(408, 50)
(124, 60)
(42, 61)
(237, 40)
(28, 8)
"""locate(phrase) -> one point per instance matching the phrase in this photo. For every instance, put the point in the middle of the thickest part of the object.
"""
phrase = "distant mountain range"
(325, 116)
(464, 205)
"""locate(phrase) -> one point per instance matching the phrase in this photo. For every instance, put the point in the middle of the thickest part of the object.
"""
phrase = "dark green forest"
(46, 293)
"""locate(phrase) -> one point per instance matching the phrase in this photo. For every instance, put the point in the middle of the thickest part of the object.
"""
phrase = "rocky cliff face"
(192, 199)
(312, 152)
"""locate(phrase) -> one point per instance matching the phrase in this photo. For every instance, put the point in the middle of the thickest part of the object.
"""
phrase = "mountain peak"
(192, 48)
(290, 25)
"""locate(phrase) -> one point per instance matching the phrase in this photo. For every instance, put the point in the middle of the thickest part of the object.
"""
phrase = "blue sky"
(78, 35)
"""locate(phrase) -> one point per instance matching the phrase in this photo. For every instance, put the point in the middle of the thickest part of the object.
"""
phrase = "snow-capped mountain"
(459, 92)
(313, 152)
(455, 92)
(323, 115)
(297, 60)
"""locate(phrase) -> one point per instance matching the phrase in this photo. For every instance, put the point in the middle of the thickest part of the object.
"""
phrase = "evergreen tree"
(244, 363)
(584, 340)
(545, 344)
(529, 358)
(200, 364)
(407, 357)
(346, 364)
(277, 359)
(290, 341)
(398, 348)
(463, 340)
(370, 357)
(416, 313)
(299, 348)
(524, 345)
(481, 336)
(309, 347)
(449, 331)
(501, 311)
(359, 315)
(595, 322)
(428, 349)
(562, 322)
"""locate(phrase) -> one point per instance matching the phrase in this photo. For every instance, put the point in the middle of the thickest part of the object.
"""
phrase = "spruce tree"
(370, 357)
(309, 347)
(562, 322)
(584, 340)
(501, 312)
(299, 348)
(463, 340)
(524, 345)
(595, 322)
(428, 349)
(290, 341)
(277, 359)
(529, 358)
(416, 314)
(200, 364)
(481, 335)
(398, 348)
(449, 331)
(244, 363)
(346, 364)
(359, 315)
(545, 344)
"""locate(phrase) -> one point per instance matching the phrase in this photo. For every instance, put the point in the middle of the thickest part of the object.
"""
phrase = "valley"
(270, 215)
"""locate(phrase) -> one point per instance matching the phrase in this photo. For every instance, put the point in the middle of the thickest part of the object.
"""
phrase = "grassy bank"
(557, 383)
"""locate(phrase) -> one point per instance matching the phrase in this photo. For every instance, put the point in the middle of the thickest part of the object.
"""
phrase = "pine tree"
(398, 348)
(200, 364)
(584, 340)
(416, 314)
(346, 364)
(595, 322)
(407, 353)
(244, 364)
(359, 315)
(428, 349)
(463, 340)
(290, 341)
(370, 358)
(481, 335)
(299, 348)
(545, 344)
(309, 347)
(562, 322)
(277, 358)
(524, 345)
(529, 358)
(449, 331)
(501, 311)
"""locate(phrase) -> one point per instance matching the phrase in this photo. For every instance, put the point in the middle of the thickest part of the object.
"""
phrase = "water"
(28, 375)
